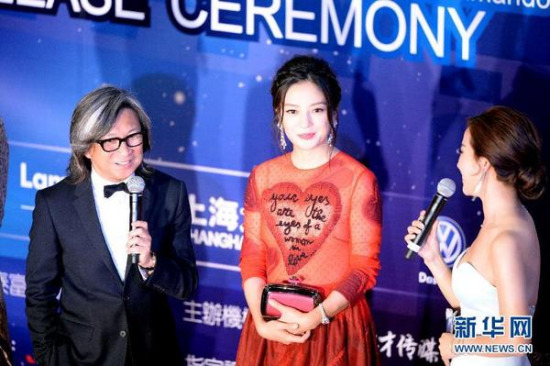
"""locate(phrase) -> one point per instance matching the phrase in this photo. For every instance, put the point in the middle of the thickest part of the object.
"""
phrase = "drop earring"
(479, 184)
(282, 140)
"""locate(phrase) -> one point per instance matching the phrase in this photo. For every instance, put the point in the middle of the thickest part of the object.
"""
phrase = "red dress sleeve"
(253, 251)
(365, 236)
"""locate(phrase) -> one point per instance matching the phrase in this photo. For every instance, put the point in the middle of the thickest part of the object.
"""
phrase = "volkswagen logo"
(451, 239)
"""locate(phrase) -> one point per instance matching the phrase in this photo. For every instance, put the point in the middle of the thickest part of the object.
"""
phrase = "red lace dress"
(322, 225)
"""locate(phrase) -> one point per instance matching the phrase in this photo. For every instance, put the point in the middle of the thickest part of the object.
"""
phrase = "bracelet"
(154, 257)
(324, 318)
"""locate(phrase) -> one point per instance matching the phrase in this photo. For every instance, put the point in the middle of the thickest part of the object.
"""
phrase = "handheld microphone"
(445, 189)
(135, 185)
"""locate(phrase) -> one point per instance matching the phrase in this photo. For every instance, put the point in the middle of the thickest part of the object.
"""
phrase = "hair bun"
(510, 141)
(531, 181)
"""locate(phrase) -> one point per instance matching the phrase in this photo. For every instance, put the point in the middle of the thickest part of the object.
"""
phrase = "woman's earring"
(282, 140)
(479, 184)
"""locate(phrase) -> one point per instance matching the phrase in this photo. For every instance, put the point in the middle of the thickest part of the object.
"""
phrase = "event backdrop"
(411, 72)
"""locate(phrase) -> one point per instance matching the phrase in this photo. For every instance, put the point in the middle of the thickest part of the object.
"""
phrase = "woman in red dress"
(312, 214)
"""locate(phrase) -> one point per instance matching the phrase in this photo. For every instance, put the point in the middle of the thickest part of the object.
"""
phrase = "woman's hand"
(281, 332)
(430, 250)
(446, 351)
(305, 321)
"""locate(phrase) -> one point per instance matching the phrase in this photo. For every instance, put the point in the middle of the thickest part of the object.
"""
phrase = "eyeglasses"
(113, 144)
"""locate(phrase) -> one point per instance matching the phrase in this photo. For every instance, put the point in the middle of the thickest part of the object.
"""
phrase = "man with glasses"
(86, 302)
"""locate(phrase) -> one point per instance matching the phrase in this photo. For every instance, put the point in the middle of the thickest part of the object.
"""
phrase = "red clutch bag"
(299, 297)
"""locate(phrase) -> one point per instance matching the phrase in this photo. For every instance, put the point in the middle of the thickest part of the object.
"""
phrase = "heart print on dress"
(301, 220)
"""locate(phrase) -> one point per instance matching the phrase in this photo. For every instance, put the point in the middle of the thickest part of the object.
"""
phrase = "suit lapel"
(85, 207)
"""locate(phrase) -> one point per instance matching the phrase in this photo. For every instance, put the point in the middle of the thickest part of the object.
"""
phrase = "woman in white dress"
(500, 162)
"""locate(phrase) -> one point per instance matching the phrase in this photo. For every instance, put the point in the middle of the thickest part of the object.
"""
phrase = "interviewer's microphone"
(445, 189)
(135, 185)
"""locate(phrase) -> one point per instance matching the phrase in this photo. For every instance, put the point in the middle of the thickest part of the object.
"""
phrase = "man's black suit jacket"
(98, 317)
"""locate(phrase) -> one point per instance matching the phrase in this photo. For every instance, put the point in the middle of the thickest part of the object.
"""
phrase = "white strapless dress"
(478, 298)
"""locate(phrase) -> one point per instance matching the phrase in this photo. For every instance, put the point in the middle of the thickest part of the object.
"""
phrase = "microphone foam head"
(446, 187)
(135, 184)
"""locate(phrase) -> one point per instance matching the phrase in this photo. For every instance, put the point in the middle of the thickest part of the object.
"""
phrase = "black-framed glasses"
(113, 144)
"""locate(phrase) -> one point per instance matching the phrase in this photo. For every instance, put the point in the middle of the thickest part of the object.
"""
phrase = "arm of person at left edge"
(174, 268)
(365, 238)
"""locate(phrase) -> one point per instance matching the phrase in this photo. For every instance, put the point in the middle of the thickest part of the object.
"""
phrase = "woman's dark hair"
(93, 117)
(509, 140)
(306, 68)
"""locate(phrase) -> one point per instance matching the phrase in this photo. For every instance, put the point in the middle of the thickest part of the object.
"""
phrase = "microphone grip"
(432, 212)
(135, 213)
(134, 208)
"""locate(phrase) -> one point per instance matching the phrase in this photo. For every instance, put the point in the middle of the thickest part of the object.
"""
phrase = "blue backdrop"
(411, 72)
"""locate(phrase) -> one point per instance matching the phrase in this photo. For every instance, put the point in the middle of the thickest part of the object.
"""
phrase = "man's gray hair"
(93, 118)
